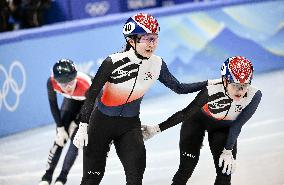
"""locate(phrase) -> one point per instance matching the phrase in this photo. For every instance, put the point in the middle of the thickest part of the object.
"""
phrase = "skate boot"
(61, 179)
(44, 183)
(46, 179)
(58, 183)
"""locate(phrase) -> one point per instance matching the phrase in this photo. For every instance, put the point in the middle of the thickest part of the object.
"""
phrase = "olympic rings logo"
(11, 85)
(97, 8)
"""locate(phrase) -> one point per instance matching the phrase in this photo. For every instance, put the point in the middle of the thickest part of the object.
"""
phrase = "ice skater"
(70, 83)
(123, 78)
(221, 110)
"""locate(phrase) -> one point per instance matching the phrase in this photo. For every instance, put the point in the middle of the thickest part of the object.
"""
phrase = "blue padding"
(81, 25)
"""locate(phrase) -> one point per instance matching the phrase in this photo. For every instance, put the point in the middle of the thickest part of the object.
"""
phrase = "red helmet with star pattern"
(140, 24)
(237, 69)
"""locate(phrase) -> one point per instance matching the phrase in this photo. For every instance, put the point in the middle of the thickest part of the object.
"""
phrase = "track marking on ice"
(8, 157)
(264, 122)
(261, 137)
(21, 175)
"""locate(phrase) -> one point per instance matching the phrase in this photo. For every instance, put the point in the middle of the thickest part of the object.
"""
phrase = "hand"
(149, 131)
(61, 136)
(72, 128)
(229, 165)
(81, 137)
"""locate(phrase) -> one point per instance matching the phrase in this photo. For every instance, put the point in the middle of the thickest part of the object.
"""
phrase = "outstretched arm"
(181, 88)
(186, 113)
(180, 116)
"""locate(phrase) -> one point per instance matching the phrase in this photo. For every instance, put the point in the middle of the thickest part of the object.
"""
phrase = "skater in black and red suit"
(124, 78)
(220, 109)
(71, 84)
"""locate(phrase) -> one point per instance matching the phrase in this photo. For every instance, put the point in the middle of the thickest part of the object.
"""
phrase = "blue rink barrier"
(63, 10)
(93, 8)
(59, 11)
(194, 40)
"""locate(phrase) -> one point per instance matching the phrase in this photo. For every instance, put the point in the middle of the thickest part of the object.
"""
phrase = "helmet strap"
(135, 39)
(225, 85)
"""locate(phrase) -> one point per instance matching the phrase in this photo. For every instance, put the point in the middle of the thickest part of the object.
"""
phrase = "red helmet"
(237, 69)
(141, 23)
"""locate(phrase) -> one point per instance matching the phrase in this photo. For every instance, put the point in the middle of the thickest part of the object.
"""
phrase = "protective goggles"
(148, 38)
(68, 84)
(239, 86)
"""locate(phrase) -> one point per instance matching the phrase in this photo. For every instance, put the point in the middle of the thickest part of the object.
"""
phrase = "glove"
(214, 81)
(61, 136)
(149, 131)
(229, 162)
(81, 137)
(72, 128)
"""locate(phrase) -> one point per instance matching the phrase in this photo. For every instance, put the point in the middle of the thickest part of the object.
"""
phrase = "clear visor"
(149, 38)
(239, 86)
(70, 84)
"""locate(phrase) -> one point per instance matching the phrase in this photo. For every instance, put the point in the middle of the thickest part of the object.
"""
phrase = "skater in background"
(221, 110)
(70, 83)
(123, 78)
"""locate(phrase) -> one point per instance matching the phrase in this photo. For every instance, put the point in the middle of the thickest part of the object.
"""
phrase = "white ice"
(260, 159)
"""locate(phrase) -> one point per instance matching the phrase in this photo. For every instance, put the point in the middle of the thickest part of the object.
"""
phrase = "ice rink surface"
(260, 159)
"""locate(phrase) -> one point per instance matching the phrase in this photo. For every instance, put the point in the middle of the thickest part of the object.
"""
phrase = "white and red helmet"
(140, 24)
(237, 69)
